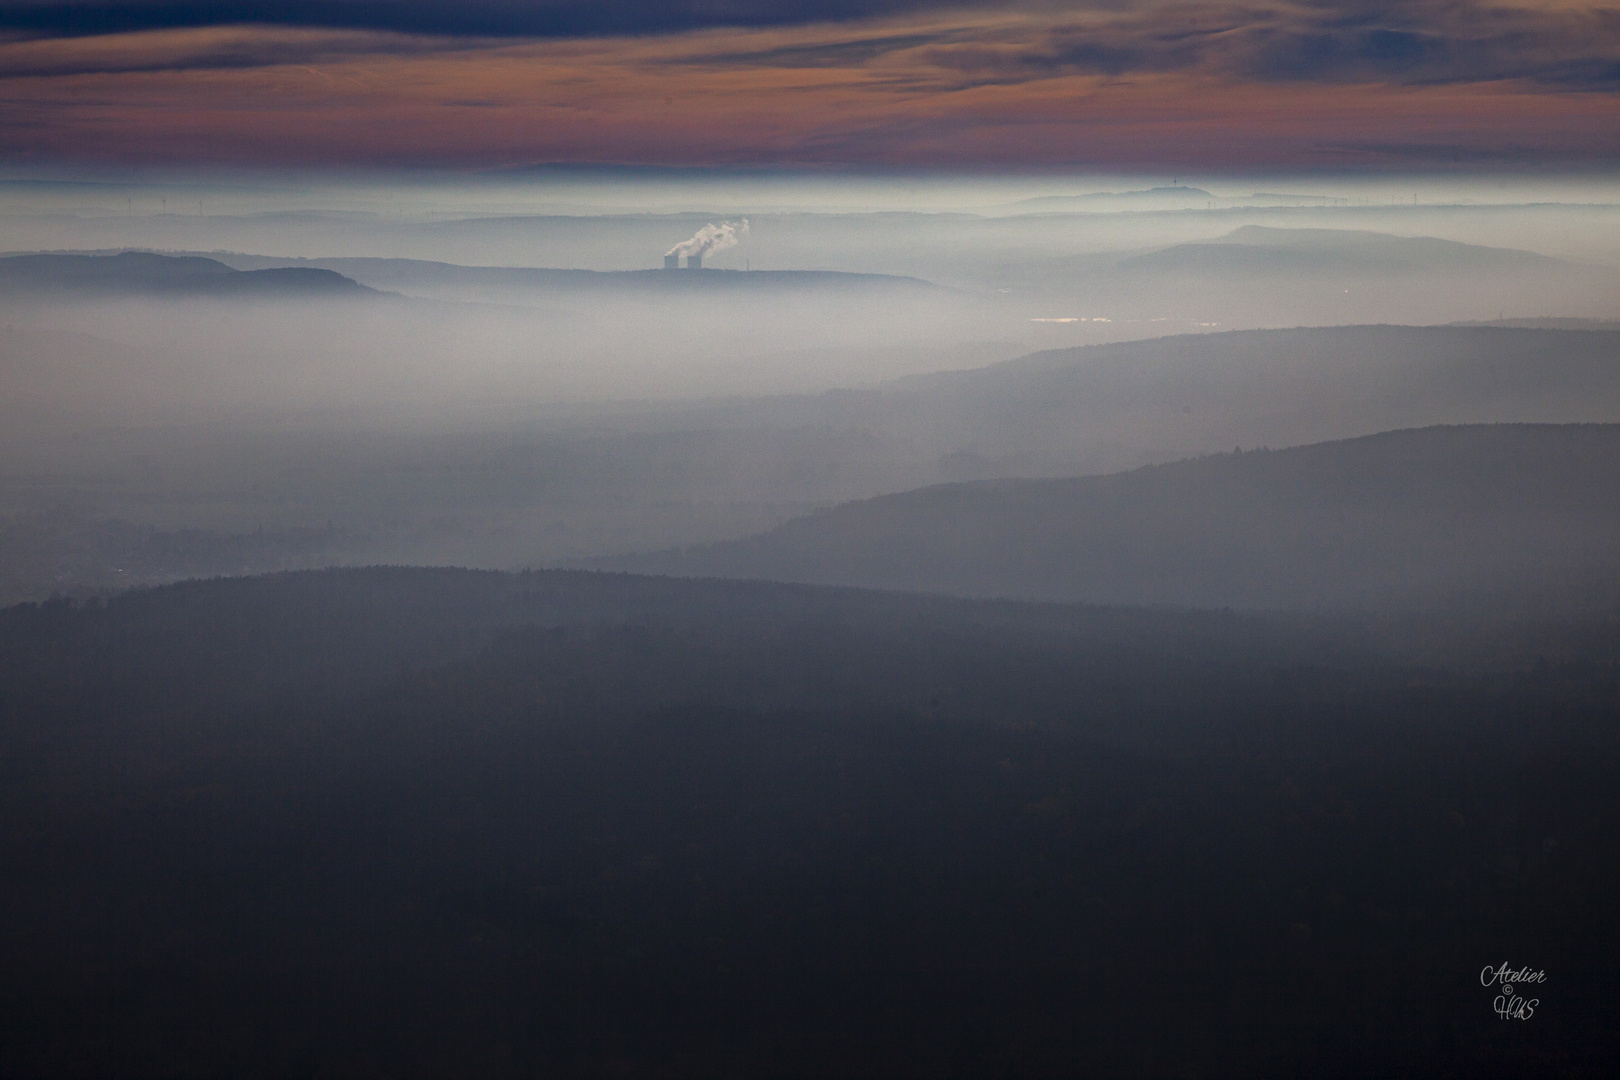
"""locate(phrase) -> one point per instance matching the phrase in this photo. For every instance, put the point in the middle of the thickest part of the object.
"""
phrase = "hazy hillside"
(1258, 276)
(480, 343)
(135, 273)
(1527, 515)
(1254, 275)
(1108, 407)
(217, 441)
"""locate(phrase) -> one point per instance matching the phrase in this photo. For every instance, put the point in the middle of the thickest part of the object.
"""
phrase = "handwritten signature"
(1509, 1004)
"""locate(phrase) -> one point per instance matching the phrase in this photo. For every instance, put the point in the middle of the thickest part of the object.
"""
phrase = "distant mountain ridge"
(408, 274)
(1263, 249)
(148, 273)
(1168, 193)
(1397, 520)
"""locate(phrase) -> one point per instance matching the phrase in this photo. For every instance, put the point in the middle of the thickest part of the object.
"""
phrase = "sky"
(1211, 85)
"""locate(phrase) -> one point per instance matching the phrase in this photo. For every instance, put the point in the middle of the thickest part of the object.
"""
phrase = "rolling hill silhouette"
(450, 280)
(136, 273)
(1258, 276)
(1105, 408)
(1524, 514)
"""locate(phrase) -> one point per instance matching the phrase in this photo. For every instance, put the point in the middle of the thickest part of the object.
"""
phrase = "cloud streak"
(223, 48)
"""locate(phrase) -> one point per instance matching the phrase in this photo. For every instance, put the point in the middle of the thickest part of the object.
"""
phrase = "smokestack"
(711, 237)
(672, 261)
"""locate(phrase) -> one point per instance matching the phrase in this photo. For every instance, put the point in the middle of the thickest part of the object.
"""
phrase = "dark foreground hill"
(138, 273)
(419, 823)
(1522, 514)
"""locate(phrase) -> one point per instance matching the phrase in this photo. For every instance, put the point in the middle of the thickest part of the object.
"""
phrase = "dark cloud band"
(489, 18)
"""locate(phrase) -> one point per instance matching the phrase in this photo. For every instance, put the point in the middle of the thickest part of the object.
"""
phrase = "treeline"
(60, 553)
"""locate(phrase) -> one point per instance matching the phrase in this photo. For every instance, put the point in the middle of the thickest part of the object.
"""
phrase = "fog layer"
(381, 378)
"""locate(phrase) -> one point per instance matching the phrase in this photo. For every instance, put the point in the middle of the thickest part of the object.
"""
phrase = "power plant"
(711, 237)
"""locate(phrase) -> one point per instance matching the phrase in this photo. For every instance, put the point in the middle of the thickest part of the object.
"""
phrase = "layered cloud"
(701, 81)
(1410, 43)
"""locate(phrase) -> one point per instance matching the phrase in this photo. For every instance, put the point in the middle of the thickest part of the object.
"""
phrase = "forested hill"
(1524, 514)
(428, 822)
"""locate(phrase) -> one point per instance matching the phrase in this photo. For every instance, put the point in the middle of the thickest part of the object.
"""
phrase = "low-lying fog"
(387, 358)
(462, 397)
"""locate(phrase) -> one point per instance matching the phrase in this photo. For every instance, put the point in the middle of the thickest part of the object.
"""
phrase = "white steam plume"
(712, 237)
